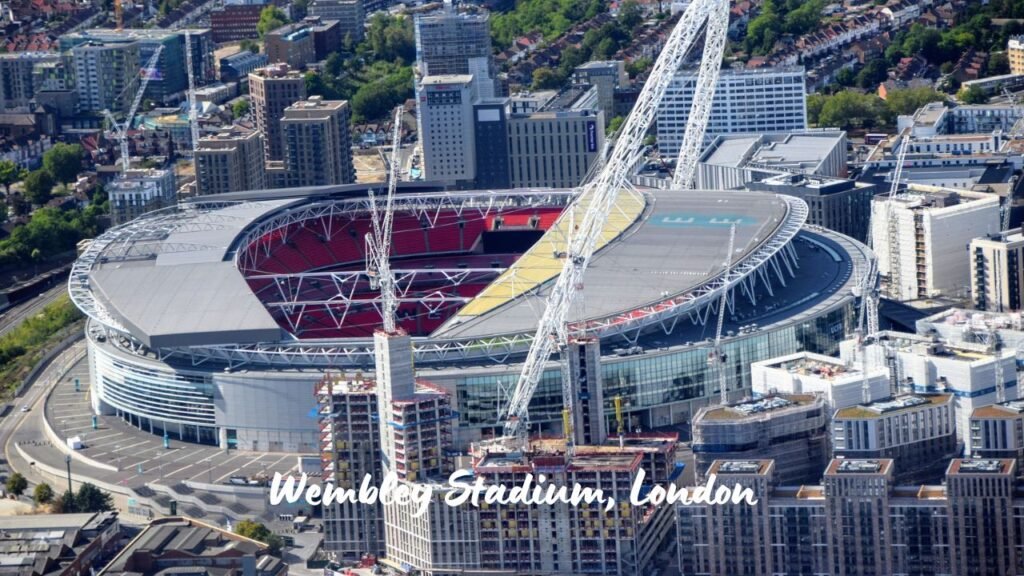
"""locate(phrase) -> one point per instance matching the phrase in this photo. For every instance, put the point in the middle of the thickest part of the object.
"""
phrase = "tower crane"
(193, 114)
(122, 131)
(599, 196)
(716, 359)
(378, 242)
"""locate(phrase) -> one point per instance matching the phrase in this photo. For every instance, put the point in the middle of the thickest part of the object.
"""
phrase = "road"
(18, 314)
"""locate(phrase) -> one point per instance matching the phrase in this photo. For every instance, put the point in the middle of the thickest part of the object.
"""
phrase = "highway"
(17, 314)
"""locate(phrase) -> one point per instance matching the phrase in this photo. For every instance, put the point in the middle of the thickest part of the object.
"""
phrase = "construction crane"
(599, 196)
(703, 94)
(378, 241)
(122, 131)
(621, 428)
(994, 347)
(716, 359)
(892, 225)
(193, 113)
(119, 14)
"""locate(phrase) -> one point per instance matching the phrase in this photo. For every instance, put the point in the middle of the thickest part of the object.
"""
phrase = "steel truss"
(264, 237)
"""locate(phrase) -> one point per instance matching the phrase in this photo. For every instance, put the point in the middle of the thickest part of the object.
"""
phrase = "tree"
(92, 499)
(998, 64)
(10, 173)
(545, 78)
(906, 101)
(271, 18)
(638, 67)
(63, 162)
(39, 187)
(16, 484)
(874, 71)
(614, 125)
(239, 108)
(257, 531)
(851, 109)
(43, 493)
(65, 504)
(972, 95)
(630, 14)
(250, 45)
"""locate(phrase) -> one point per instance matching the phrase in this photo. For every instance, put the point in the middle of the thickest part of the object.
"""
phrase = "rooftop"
(759, 467)
(853, 466)
(1009, 409)
(796, 150)
(809, 364)
(755, 408)
(980, 466)
(444, 79)
(904, 403)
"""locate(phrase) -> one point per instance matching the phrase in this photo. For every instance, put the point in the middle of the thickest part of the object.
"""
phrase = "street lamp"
(67, 460)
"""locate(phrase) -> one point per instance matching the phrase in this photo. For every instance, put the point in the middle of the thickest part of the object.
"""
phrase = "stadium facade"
(214, 321)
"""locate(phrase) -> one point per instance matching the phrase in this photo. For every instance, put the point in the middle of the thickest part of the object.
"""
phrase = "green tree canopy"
(544, 78)
(240, 108)
(271, 18)
(972, 95)
(257, 531)
(39, 187)
(10, 173)
(42, 493)
(91, 499)
(908, 100)
(63, 162)
(16, 484)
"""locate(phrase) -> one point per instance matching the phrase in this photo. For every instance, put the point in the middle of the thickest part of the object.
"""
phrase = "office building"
(175, 545)
(997, 431)
(606, 76)
(271, 90)
(553, 148)
(139, 191)
(922, 253)
(834, 203)
(327, 36)
(318, 142)
(996, 271)
(841, 384)
(790, 429)
(103, 74)
(57, 544)
(169, 81)
(22, 75)
(349, 13)
(753, 101)
(445, 117)
(733, 162)
(234, 22)
(918, 432)
(456, 43)
(859, 521)
(230, 161)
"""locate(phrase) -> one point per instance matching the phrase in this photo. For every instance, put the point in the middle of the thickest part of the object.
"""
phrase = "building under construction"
(790, 429)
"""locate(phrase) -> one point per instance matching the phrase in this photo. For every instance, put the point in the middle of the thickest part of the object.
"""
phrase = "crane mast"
(716, 359)
(121, 132)
(193, 113)
(378, 242)
(599, 197)
(895, 272)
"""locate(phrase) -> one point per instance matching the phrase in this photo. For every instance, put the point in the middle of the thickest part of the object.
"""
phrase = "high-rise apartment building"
(923, 255)
(230, 161)
(997, 431)
(746, 101)
(169, 81)
(20, 77)
(606, 76)
(1015, 53)
(291, 44)
(139, 191)
(857, 522)
(791, 429)
(997, 271)
(456, 43)
(318, 143)
(918, 432)
(349, 13)
(234, 22)
(103, 72)
(272, 89)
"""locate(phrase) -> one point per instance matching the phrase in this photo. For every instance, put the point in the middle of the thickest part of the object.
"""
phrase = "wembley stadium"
(212, 321)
